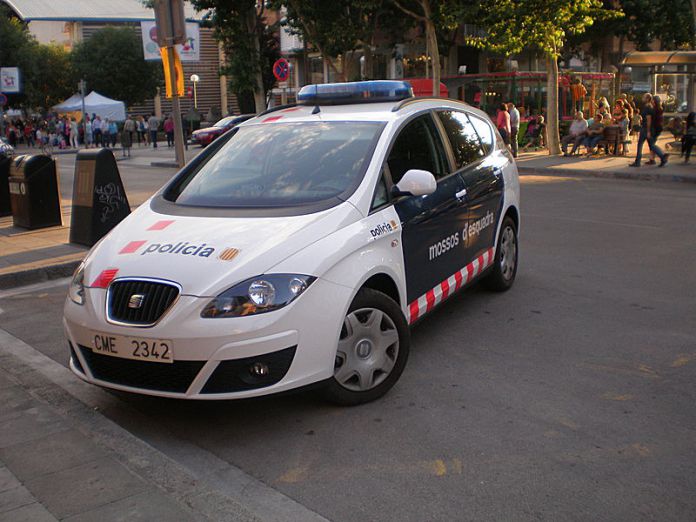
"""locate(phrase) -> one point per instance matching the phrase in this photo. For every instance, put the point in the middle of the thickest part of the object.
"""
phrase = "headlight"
(258, 295)
(76, 291)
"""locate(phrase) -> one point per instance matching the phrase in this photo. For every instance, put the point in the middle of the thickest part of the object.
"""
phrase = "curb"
(640, 176)
(214, 490)
(37, 275)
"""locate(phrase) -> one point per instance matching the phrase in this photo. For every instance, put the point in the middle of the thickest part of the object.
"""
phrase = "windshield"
(281, 165)
(224, 121)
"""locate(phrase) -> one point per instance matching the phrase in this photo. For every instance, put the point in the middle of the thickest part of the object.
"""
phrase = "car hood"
(207, 255)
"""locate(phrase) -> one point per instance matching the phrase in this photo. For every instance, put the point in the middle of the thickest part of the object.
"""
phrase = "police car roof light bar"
(374, 91)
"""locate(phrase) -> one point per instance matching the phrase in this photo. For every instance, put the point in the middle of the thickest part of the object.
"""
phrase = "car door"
(431, 225)
(483, 182)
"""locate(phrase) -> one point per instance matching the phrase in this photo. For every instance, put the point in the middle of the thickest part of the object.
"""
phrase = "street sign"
(281, 70)
(3, 99)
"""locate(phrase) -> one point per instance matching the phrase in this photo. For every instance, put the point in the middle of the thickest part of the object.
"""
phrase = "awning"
(650, 58)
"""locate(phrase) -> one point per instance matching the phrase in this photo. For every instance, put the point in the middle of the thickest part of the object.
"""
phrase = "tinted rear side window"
(462, 136)
(417, 146)
(281, 165)
(485, 133)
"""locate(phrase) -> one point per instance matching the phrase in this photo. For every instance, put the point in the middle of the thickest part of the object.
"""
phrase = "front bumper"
(212, 357)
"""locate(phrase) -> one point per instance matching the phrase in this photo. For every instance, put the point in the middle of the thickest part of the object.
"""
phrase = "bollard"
(99, 199)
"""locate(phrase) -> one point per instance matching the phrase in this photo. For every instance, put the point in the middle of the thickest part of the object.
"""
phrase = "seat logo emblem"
(136, 301)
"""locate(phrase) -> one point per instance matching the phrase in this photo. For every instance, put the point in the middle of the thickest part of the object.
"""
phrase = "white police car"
(298, 248)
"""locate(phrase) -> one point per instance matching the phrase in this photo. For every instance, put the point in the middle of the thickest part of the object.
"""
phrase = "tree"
(239, 27)
(434, 15)
(514, 25)
(111, 61)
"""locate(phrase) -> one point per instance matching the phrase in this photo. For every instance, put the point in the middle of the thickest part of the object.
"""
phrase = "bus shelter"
(671, 74)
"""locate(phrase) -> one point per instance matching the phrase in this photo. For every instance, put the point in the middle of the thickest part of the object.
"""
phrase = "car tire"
(502, 273)
(372, 350)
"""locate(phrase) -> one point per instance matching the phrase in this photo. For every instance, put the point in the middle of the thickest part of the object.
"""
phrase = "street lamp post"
(195, 79)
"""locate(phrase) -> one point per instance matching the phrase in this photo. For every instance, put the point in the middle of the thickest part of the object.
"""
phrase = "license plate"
(136, 348)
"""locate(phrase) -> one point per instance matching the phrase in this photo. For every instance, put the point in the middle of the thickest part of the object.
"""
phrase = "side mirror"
(415, 183)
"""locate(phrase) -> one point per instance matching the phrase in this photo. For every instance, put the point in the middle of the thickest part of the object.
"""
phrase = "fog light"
(259, 369)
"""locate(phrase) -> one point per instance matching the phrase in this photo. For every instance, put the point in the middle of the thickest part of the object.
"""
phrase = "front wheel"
(372, 350)
(504, 269)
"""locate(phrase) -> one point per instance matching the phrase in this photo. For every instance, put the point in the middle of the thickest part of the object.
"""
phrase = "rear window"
(281, 165)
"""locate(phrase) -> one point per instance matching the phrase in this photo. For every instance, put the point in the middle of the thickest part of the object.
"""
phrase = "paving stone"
(25, 425)
(56, 452)
(8, 480)
(32, 513)
(86, 487)
(14, 498)
(14, 399)
(146, 507)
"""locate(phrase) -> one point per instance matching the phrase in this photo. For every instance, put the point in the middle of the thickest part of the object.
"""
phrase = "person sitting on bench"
(576, 133)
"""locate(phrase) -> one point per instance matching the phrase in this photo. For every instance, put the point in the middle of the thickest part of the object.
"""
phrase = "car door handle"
(460, 194)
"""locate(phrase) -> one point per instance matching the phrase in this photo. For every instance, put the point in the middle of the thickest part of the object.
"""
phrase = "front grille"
(234, 374)
(158, 297)
(174, 377)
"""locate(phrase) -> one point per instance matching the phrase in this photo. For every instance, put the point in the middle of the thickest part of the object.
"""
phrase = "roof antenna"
(316, 110)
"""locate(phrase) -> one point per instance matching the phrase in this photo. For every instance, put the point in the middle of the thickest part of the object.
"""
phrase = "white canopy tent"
(95, 103)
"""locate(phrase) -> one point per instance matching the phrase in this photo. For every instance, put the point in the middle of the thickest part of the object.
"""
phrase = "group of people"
(66, 132)
(508, 123)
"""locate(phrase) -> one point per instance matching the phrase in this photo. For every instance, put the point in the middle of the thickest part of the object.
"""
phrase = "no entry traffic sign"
(281, 70)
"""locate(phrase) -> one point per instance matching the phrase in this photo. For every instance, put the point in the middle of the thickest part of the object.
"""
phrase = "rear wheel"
(502, 274)
(372, 350)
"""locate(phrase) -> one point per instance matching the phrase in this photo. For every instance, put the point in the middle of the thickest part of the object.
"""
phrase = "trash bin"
(99, 198)
(5, 208)
(34, 194)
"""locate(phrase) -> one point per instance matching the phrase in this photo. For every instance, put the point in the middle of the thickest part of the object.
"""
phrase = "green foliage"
(46, 74)
(664, 20)
(112, 63)
(239, 27)
(545, 25)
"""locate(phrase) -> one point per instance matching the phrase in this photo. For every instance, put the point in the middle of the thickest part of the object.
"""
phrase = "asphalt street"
(570, 397)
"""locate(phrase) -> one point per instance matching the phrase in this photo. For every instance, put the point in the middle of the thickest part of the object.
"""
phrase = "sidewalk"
(540, 163)
(61, 458)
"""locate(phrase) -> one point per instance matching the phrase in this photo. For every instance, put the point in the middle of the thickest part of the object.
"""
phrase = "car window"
(485, 132)
(279, 165)
(417, 146)
(380, 197)
(462, 136)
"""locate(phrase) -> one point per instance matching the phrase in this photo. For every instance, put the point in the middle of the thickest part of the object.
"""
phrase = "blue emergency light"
(354, 92)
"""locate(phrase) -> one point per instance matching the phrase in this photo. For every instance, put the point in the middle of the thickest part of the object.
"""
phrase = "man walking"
(647, 133)
(576, 134)
(514, 127)
(153, 123)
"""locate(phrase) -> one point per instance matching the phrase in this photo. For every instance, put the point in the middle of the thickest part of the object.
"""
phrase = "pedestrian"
(89, 135)
(113, 132)
(96, 130)
(646, 132)
(169, 131)
(153, 125)
(503, 123)
(689, 137)
(126, 141)
(29, 134)
(578, 93)
(105, 133)
(576, 134)
(514, 127)
(74, 133)
(658, 124)
(129, 127)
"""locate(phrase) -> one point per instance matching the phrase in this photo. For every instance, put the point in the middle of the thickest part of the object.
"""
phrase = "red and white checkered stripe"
(449, 286)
